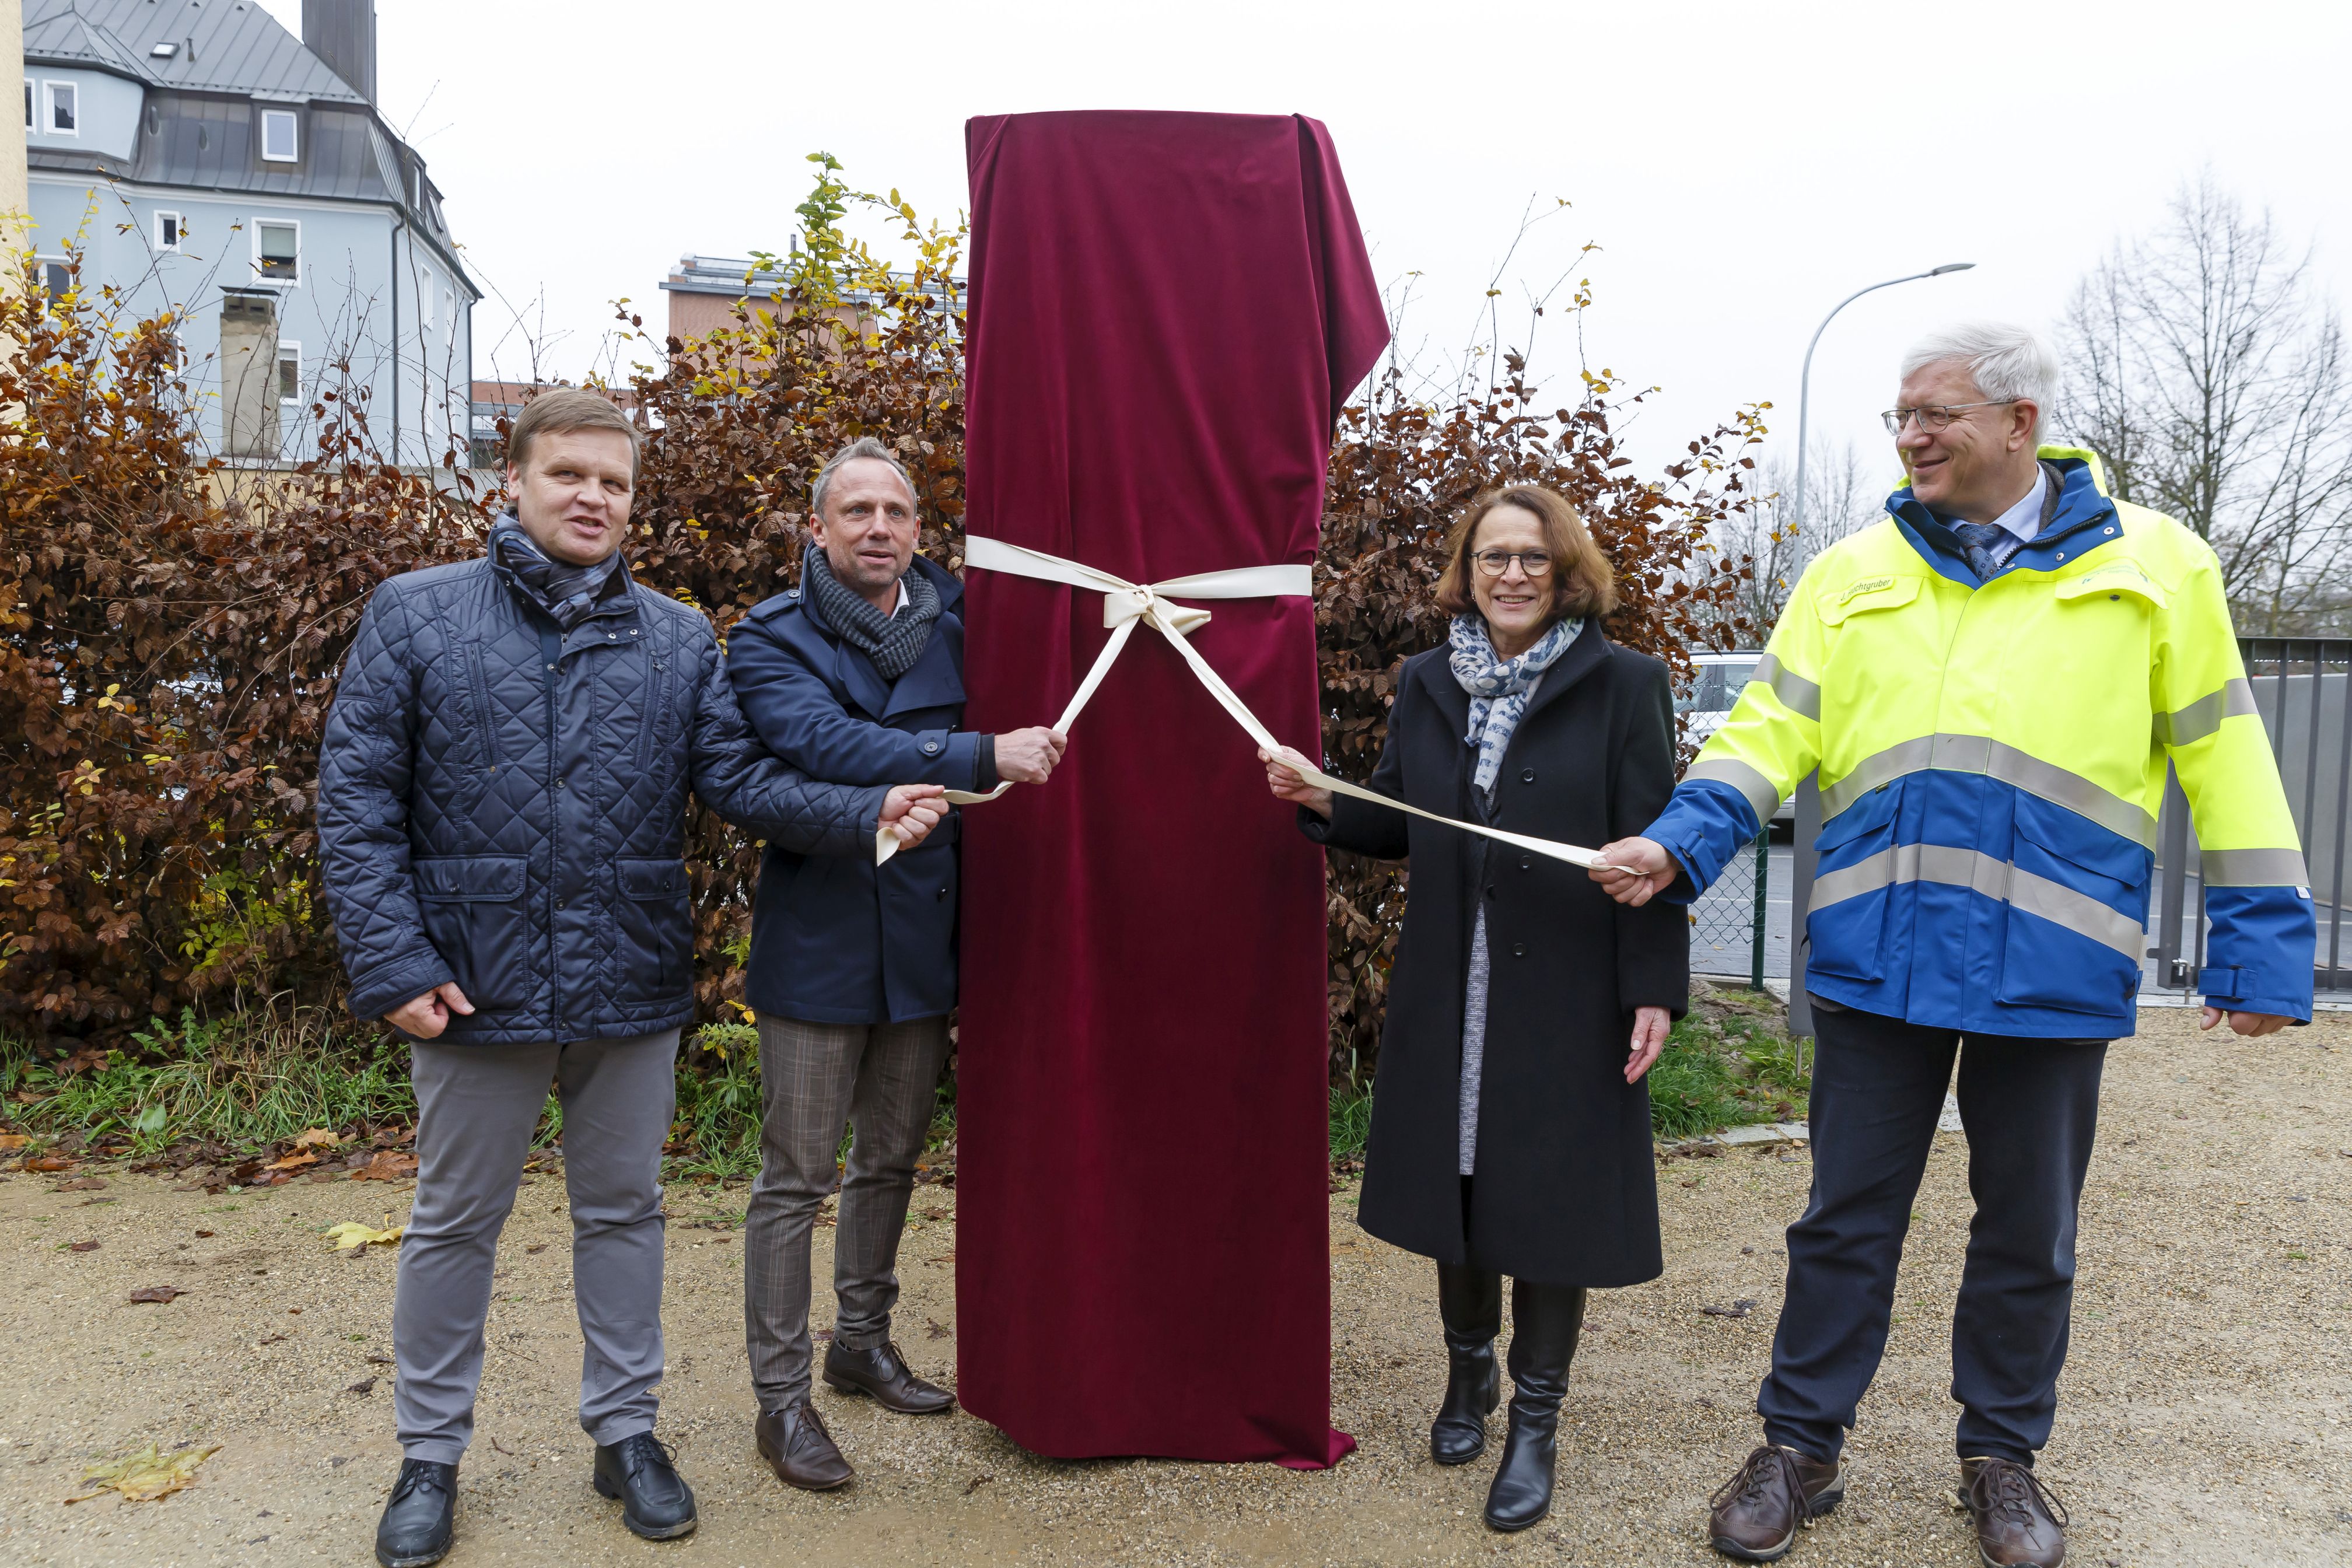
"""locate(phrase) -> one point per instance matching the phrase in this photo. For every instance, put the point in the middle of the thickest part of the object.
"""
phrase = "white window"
(280, 138)
(65, 102)
(289, 376)
(57, 276)
(425, 303)
(168, 231)
(278, 249)
(449, 312)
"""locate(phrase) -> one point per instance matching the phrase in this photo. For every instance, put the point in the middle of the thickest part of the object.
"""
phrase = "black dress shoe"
(1470, 1305)
(656, 1501)
(1544, 1323)
(421, 1520)
(883, 1372)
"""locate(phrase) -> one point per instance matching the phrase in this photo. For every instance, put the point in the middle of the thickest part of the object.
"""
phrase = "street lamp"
(1805, 385)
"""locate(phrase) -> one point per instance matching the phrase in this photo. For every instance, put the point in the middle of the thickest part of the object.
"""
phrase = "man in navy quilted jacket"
(501, 821)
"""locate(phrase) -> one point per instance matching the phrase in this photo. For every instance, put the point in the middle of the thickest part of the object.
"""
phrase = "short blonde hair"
(1583, 583)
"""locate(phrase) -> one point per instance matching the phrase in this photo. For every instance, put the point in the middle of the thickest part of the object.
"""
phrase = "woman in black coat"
(1510, 1123)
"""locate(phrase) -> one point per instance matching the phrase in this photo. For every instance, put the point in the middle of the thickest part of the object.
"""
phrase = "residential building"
(215, 165)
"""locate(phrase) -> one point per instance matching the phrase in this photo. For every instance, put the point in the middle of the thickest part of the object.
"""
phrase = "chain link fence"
(1729, 921)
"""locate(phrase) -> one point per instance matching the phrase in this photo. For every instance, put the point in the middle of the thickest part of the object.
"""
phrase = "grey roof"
(226, 46)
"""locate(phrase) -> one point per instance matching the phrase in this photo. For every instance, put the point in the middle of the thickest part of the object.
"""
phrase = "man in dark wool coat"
(502, 819)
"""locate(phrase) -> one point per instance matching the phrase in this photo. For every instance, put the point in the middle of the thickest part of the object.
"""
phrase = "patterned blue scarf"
(1498, 688)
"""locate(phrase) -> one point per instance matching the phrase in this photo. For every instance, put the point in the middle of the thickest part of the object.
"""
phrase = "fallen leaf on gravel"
(932, 1328)
(317, 1138)
(351, 1234)
(161, 1293)
(11, 1141)
(977, 1482)
(292, 1162)
(146, 1475)
(203, 1235)
(536, 1246)
(1738, 1309)
(81, 1185)
(381, 1360)
(48, 1163)
(268, 1340)
(387, 1166)
(365, 1385)
(83, 1246)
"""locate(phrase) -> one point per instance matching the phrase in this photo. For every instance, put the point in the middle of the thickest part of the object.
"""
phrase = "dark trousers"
(2030, 1108)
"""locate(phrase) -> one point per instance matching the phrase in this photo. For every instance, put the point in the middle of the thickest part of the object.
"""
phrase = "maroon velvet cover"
(1165, 313)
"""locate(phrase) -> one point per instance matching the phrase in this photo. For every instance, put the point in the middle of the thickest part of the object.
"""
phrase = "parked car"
(1715, 687)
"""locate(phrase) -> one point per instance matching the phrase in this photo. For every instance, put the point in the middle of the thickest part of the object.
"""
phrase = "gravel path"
(2203, 1419)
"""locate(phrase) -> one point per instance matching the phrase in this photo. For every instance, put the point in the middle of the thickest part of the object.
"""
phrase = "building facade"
(213, 165)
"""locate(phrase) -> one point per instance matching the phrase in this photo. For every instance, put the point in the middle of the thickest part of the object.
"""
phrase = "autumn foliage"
(170, 626)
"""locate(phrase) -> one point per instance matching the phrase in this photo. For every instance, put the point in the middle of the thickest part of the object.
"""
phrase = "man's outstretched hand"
(2252, 1025)
(426, 1017)
(1635, 870)
(911, 811)
(1028, 756)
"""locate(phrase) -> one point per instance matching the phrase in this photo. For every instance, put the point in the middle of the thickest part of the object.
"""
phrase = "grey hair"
(864, 446)
(2005, 361)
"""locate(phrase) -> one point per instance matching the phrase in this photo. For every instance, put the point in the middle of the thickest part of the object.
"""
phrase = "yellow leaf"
(351, 1234)
(317, 1138)
(146, 1475)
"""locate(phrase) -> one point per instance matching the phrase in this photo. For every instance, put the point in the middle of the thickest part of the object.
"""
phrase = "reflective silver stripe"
(2053, 902)
(2203, 717)
(1802, 697)
(2254, 868)
(1763, 794)
(1982, 754)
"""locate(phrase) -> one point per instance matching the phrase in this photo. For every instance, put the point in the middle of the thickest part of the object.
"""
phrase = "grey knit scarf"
(893, 642)
(568, 593)
(1498, 687)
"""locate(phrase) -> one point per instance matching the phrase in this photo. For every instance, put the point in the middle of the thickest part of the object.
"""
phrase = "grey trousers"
(477, 1106)
(814, 1077)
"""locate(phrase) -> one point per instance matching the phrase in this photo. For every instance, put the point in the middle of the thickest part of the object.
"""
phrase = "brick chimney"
(342, 34)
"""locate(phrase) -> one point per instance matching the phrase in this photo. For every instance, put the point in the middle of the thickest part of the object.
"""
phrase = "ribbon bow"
(1127, 605)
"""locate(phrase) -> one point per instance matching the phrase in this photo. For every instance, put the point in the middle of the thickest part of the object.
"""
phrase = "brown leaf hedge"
(171, 625)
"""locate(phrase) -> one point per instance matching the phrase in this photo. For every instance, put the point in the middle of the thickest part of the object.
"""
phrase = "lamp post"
(1805, 384)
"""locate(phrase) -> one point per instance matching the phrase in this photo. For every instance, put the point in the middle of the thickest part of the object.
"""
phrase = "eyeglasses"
(1937, 416)
(1495, 563)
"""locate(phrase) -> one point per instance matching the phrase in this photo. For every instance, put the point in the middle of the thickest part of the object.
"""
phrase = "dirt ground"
(2203, 1419)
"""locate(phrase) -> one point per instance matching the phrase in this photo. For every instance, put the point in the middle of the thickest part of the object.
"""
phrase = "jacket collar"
(1585, 655)
(936, 679)
(2077, 500)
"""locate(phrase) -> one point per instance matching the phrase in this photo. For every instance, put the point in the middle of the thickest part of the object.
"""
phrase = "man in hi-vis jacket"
(1990, 681)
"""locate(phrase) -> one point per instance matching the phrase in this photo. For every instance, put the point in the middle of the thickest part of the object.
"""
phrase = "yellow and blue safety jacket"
(1992, 755)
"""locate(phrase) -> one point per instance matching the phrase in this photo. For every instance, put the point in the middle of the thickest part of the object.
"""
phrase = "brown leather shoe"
(883, 1372)
(1760, 1510)
(2019, 1523)
(800, 1450)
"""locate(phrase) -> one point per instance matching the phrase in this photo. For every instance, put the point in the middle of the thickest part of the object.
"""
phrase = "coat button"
(1527, 776)
(943, 895)
(559, 903)
(1518, 950)
(1526, 862)
(931, 748)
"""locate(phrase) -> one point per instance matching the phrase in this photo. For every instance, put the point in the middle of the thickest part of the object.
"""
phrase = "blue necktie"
(1977, 539)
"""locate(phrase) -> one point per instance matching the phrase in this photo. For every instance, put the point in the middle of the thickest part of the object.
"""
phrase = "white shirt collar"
(2024, 519)
(902, 595)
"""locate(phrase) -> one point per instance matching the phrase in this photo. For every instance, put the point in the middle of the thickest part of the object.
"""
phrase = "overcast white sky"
(1743, 166)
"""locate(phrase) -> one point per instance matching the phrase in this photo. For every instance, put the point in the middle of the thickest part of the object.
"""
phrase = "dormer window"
(280, 136)
(65, 109)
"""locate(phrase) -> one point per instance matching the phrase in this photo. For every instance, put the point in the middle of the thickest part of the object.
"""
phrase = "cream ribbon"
(1128, 605)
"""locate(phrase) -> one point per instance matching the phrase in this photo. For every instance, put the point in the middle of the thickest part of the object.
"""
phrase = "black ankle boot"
(421, 1520)
(1470, 1304)
(1545, 1320)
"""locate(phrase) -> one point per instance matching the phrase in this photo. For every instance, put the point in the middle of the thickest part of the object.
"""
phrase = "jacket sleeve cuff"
(2262, 947)
(387, 989)
(984, 774)
(1702, 828)
(951, 757)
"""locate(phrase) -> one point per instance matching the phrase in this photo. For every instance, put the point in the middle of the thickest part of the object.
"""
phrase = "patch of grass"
(1351, 1126)
(243, 1084)
(1731, 1062)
